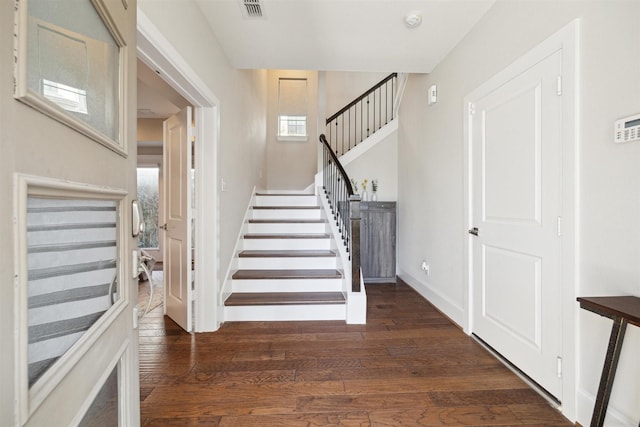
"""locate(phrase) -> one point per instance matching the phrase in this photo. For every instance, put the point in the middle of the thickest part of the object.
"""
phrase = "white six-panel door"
(177, 243)
(515, 131)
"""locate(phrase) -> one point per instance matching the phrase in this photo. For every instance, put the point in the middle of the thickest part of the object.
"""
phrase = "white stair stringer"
(287, 237)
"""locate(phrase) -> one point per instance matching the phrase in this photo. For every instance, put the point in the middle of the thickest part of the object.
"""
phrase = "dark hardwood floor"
(409, 366)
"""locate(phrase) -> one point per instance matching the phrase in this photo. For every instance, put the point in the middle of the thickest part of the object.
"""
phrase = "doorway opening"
(164, 61)
(150, 289)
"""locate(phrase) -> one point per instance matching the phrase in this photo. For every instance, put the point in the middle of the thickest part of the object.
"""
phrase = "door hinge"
(559, 226)
(559, 367)
(559, 86)
(472, 108)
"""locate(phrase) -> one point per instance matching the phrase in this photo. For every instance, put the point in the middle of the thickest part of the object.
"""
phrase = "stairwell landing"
(288, 265)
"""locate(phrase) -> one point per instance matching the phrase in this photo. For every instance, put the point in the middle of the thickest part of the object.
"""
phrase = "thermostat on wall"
(627, 129)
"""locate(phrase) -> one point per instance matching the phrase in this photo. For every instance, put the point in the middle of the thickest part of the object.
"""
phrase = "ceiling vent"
(252, 8)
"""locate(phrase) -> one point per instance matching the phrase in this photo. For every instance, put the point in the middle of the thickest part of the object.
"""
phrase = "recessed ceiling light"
(413, 19)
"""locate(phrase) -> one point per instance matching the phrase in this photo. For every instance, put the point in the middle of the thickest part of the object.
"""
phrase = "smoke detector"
(413, 19)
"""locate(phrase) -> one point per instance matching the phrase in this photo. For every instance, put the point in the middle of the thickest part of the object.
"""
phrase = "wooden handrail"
(361, 97)
(345, 207)
(334, 158)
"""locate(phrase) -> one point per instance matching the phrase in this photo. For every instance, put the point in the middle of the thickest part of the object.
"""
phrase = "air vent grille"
(253, 8)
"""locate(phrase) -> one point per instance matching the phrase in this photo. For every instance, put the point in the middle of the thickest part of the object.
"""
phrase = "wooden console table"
(622, 310)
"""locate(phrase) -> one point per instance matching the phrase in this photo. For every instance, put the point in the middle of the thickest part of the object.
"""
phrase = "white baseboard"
(614, 417)
(442, 303)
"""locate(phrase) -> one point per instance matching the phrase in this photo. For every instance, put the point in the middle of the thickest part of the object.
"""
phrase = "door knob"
(474, 231)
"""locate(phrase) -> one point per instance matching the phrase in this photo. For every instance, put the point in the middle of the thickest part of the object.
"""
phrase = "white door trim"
(156, 51)
(567, 40)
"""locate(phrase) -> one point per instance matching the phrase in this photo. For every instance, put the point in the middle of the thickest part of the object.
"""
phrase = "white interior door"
(516, 199)
(177, 265)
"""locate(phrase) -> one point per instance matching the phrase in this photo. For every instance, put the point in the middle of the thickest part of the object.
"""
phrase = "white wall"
(291, 165)
(342, 87)
(380, 163)
(430, 176)
(242, 95)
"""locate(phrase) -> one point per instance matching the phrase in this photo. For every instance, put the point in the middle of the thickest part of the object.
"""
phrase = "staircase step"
(286, 207)
(287, 236)
(286, 274)
(287, 221)
(287, 254)
(281, 243)
(304, 200)
(286, 213)
(284, 298)
(287, 227)
(286, 194)
(288, 285)
(288, 260)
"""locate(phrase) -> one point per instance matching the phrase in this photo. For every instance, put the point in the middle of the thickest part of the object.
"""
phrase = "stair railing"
(363, 116)
(345, 207)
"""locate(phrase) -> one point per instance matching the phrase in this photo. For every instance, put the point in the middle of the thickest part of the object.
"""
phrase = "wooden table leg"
(609, 371)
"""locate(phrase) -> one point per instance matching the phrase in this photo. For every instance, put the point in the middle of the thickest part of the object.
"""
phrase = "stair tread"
(286, 207)
(284, 298)
(286, 253)
(287, 236)
(287, 274)
(287, 221)
(286, 194)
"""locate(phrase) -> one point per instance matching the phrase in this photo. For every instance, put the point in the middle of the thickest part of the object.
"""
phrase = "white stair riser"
(286, 263)
(285, 313)
(286, 213)
(286, 244)
(286, 285)
(286, 201)
(294, 228)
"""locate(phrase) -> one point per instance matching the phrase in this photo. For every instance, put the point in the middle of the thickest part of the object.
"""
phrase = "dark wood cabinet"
(378, 241)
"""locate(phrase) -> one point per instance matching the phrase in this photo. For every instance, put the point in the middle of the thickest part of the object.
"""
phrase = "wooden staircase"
(287, 267)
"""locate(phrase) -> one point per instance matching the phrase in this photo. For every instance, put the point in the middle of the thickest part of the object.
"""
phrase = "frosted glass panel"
(103, 412)
(72, 253)
(73, 62)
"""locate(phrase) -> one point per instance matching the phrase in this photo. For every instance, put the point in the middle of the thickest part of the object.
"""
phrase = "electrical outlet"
(425, 266)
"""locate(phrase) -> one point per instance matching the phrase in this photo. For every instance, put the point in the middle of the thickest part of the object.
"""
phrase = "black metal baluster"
(386, 104)
(393, 103)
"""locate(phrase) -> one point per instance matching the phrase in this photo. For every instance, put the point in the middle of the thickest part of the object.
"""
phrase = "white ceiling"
(336, 35)
(156, 99)
(341, 35)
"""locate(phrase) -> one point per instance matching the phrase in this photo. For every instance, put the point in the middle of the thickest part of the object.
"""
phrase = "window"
(69, 66)
(148, 199)
(292, 109)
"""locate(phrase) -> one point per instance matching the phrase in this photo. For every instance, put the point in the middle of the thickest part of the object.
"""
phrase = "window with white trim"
(292, 109)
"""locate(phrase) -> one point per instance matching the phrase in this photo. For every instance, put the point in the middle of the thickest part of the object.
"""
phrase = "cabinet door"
(378, 242)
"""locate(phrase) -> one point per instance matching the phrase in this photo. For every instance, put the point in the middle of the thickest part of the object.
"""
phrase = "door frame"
(567, 40)
(155, 51)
